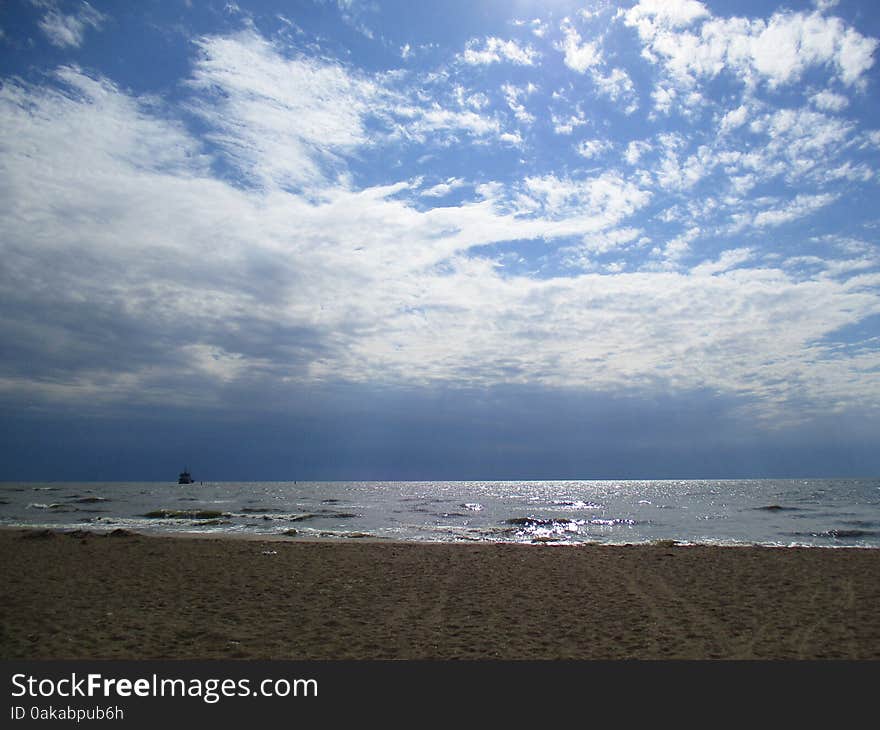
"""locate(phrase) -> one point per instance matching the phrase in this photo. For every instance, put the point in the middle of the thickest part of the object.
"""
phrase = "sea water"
(781, 512)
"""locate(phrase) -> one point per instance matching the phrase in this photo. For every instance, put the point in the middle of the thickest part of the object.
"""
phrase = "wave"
(531, 522)
(836, 534)
(577, 504)
(185, 514)
(55, 507)
(275, 516)
(346, 535)
(614, 521)
(540, 521)
(851, 533)
(293, 516)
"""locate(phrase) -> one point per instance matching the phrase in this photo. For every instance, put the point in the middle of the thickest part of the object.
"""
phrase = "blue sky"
(350, 239)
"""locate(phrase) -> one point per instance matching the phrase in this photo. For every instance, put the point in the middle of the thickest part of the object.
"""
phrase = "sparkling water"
(814, 512)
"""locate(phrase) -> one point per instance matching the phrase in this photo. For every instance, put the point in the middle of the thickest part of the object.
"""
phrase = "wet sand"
(94, 596)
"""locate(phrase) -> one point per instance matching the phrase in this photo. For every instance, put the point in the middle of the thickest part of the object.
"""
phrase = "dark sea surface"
(813, 512)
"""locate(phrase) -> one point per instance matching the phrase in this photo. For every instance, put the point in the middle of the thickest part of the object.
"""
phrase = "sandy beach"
(126, 596)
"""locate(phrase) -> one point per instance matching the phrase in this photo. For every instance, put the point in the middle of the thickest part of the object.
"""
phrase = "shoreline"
(87, 595)
(365, 538)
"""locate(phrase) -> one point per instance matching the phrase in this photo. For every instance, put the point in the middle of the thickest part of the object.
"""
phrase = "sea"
(773, 512)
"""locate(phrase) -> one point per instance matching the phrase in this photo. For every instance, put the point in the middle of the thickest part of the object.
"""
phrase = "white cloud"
(729, 259)
(537, 26)
(262, 93)
(590, 148)
(870, 138)
(673, 173)
(608, 197)
(513, 94)
(854, 56)
(583, 255)
(586, 57)
(495, 50)
(241, 283)
(666, 13)
(664, 97)
(801, 133)
(296, 121)
(68, 31)
(792, 144)
(610, 240)
(85, 182)
(828, 101)
(92, 112)
(846, 171)
(417, 122)
(635, 150)
(801, 206)
(476, 101)
(580, 56)
(617, 86)
(677, 248)
(442, 189)
(734, 119)
(567, 125)
(692, 44)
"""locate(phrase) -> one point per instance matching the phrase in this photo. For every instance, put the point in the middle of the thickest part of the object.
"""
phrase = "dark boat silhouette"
(185, 477)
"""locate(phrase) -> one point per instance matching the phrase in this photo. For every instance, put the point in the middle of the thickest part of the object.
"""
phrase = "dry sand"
(92, 596)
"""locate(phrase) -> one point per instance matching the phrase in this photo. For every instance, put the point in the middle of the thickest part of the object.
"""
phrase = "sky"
(359, 239)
